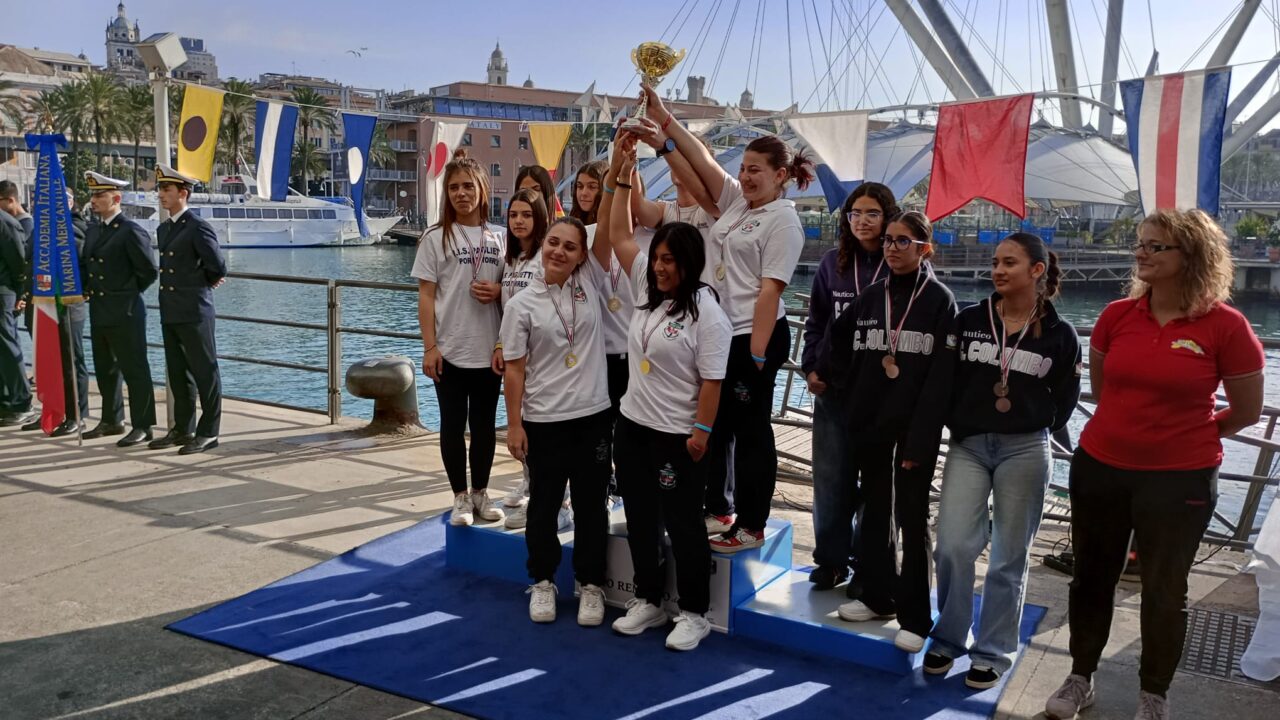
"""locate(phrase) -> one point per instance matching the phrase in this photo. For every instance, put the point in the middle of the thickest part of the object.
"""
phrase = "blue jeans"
(1013, 470)
(835, 484)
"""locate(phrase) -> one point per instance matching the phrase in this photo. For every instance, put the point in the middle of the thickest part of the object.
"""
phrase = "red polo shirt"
(1158, 385)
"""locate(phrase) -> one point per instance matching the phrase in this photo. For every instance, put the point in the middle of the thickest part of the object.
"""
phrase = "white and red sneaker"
(737, 541)
(719, 524)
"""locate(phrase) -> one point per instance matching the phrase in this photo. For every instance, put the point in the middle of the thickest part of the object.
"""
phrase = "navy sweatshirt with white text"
(833, 292)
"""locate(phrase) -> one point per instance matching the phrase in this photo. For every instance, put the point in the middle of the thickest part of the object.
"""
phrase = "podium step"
(790, 613)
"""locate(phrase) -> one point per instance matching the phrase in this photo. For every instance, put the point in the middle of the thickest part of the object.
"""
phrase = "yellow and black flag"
(198, 131)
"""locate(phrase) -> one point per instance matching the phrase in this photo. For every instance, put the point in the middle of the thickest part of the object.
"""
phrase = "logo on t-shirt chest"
(749, 226)
(579, 295)
(672, 330)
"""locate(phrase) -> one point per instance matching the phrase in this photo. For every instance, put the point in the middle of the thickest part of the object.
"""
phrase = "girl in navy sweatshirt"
(1017, 380)
(844, 272)
(886, 352)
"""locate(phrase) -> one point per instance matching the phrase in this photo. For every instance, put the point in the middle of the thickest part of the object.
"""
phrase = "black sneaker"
(980, 677)
(853, 590)
(937, 663)
(824, 577)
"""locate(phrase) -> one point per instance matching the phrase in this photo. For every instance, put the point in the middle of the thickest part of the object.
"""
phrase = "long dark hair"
(534, 201)
(1050, 283)
(888, 208)
(799, 166)
(685, 244)
(545, 184)
(595, 170)
(448, 216)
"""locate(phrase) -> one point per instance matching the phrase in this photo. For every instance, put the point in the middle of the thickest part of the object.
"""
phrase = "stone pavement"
(104, 547)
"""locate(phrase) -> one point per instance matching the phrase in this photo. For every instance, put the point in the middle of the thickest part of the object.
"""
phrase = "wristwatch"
(667, 147)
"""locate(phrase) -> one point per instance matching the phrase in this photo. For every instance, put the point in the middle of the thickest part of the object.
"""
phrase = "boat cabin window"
(236, 213)
(219, 212)
(195, 211)
(299, 214)
(330, 214)
(269, 213)
(253, 213)
(313, 215)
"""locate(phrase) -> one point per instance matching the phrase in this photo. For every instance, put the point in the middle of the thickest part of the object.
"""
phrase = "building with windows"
(124, 61)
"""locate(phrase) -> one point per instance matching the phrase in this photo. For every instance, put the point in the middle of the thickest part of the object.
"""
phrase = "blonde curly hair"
(1209, 272)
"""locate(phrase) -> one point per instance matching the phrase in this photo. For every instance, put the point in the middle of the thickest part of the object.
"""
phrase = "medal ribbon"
(888, 311)
(615, 274)
(571, 283)
(857, 280)
(1003, 339)
(647, 333)
(475, 260)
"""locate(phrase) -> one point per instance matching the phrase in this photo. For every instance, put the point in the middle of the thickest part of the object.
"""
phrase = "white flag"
(444, 138)
(838, 139)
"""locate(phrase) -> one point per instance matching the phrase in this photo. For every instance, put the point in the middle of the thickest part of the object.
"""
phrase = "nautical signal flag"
(1175, 125)
(840, 142)
(980, 151)
(198, 131)
(357, 133)
(445, 136)
(273, 138)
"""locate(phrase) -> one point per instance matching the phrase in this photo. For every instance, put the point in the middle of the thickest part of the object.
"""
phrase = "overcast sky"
(417, 44)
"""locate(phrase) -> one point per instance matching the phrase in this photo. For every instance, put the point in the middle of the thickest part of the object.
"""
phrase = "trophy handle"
(679, 57)
(634, 61)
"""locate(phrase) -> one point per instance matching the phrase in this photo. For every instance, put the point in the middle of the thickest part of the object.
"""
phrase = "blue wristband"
(700, 426)
(608, 190)
(759, 359)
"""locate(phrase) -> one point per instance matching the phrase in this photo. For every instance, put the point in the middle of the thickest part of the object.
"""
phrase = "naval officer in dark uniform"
(15, 392)
(118, 266)
(191, 266)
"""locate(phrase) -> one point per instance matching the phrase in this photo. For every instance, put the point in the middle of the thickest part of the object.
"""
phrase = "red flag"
(48, 364)
(980, 151)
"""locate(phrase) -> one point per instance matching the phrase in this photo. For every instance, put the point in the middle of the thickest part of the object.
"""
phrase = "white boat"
(243, 220)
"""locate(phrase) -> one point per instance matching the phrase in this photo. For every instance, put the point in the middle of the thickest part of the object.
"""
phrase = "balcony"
(393, 175)
(404, 146)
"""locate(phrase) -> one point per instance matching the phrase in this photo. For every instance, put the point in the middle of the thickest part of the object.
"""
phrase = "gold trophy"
(655, 61)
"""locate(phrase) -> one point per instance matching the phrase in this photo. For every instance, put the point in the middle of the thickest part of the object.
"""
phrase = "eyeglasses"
(1152, 248)
(902, 242)
(856, 215)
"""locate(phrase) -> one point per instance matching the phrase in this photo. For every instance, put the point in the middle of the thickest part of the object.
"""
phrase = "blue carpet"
(391, 616)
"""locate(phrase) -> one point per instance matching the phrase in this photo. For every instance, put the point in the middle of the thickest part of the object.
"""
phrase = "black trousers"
(15, 391)
(892, 493)
(1168, 512)
(191, 363)
(743, 435)
(119, 359)
(71, 346)
(467, 396)
(618, 374)
(661, 485)
(575, 452)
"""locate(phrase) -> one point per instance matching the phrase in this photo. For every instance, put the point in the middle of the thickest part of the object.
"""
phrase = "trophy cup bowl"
(655, 61)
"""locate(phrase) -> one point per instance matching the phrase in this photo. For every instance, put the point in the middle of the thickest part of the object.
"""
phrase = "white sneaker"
(484, 507)
(1075, 694)
(462, 510)
(1151, 707)
(689, 630)
(590, 606)
(519, 496)
(908, 641)
(718, 524)
(517, 518)
(542, 602)
(856, 611)
(641, 615)
(564, 520)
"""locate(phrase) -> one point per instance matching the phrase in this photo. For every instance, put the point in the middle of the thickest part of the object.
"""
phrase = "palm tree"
(70, 117)
(307, 160)
(11, 105)
(102, 103)
(381, 154)
(313, 112)
(235, 132)
(177, 93)
(137, 120)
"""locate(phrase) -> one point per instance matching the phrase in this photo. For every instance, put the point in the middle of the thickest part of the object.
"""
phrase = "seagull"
(360, 52)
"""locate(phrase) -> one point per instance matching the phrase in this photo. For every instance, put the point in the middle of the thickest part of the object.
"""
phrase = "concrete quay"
(103, 547)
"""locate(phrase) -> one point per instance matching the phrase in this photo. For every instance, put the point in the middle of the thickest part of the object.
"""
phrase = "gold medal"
(570, 360)
(645, 367)
(614, 304)
(720, 272)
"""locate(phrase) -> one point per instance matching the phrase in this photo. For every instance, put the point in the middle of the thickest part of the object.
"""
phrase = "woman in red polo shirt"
(1148, 459)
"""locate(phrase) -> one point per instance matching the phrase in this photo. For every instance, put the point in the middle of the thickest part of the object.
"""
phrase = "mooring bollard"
(391, 383)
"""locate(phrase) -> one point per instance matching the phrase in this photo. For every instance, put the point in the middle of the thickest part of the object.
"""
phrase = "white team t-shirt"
(532, 328)
(702, 220)
(466, 329)
(519, 275)
(644, 238)
(760, 243)
(616, 322)
(682, 352)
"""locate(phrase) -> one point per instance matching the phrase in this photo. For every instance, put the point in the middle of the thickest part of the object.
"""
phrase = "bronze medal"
(891, 371)
(887, 362)
(1003, 405)
(1001, 389)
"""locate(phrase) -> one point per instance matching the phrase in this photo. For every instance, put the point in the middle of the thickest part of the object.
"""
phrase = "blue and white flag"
(839, 140)
(1175, 125)
(357, 132)
(273, 138)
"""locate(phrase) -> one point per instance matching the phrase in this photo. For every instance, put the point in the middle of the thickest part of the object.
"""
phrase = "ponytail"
(1050, 283)
(799, 166)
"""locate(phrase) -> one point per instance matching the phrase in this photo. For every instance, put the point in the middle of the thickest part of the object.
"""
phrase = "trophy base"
(634, 123)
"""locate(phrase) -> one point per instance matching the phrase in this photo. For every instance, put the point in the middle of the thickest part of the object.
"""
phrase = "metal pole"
(937, 57)
(160, 101)
(1227, 47)
(956, 47)
(1250, 90)
(1250, 127)
(334, 321)
(1064, 59)
(1110, 61)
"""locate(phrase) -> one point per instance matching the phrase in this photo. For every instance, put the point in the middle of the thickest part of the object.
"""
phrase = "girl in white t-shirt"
(761, 239)
(678, 348)
(558, 416)
(526, 227)
(458, 267)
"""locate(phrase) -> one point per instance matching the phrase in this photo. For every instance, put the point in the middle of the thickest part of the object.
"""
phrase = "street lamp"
(161, 53)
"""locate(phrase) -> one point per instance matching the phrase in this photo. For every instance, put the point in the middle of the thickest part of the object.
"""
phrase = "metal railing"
(385, 174)
(797, 468)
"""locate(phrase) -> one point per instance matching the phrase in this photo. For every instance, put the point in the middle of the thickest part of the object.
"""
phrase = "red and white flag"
(48, 364)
